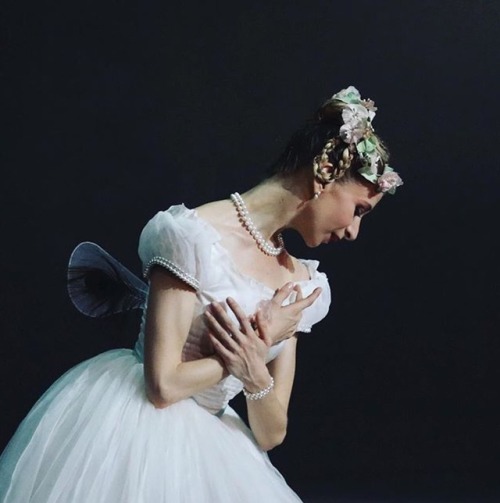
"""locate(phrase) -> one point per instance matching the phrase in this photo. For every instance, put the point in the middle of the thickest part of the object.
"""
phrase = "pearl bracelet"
(259, 394)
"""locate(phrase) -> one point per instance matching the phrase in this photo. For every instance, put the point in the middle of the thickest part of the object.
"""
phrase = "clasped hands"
(243, 348)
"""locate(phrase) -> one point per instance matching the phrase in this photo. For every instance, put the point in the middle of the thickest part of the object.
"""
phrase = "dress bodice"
(189, 247)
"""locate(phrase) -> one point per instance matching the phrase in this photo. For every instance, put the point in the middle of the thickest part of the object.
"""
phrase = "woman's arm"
(244, 353)
(168, 319)
(268, 417)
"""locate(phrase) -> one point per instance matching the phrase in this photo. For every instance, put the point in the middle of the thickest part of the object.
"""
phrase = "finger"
(220, 349)
(309, 300)
(282, 293)
(299, 295)
(220, 333)
(245, 323)
(216, 328)
(259, 321)
(252, 321)
(218, 304)
(225, 321)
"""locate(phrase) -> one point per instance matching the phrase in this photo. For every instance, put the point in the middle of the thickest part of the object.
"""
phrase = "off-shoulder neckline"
(311, 265)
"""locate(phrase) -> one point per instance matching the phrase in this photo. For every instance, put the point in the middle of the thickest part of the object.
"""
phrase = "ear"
(318, 185)
(323, 170)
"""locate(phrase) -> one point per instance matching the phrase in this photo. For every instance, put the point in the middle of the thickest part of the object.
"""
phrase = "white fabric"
(94, 437)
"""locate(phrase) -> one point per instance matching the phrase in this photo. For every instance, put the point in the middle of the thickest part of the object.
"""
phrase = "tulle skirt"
(93, 437)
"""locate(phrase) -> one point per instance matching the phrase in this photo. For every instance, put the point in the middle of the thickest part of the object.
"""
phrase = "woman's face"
(336, 214)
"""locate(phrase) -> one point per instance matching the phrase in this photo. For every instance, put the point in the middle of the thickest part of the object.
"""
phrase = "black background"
(115, 110)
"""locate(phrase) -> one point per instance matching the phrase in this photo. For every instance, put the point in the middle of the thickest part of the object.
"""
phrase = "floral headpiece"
(357, 132)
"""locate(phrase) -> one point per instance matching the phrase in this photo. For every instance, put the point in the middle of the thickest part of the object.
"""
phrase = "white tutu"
(94, 437)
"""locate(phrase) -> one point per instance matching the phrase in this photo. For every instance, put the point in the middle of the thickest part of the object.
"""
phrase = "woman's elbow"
(161, 397)
(273, 441)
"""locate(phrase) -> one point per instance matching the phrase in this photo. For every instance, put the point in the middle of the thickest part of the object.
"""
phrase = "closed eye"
(362, 210)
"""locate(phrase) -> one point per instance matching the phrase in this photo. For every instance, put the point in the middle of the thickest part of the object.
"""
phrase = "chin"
(312, 239)
(313, 243)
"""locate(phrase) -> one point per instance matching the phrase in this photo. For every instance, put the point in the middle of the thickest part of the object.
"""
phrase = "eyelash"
(360, 211)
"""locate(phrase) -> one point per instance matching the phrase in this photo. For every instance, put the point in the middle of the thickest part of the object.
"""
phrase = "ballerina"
(222, 308)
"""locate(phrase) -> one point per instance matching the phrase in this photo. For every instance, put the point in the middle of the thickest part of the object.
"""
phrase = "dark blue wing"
(99, 285)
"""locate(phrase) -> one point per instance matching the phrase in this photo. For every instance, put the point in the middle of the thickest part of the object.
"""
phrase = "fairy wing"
(99, 285)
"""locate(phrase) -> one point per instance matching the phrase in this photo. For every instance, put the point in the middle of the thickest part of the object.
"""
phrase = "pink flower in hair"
(388, 181)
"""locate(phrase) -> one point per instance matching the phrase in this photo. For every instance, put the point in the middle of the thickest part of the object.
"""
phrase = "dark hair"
(308, 142)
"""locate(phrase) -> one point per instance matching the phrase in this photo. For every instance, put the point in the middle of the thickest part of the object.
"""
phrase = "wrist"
(258, 395)
(220, 361)
(258, 382)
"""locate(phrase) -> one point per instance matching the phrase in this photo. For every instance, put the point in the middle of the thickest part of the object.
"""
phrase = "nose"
(351, 232)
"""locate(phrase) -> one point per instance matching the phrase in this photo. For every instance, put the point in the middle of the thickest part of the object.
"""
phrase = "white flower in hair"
(356, 123)
(372, 164)
(369, 171)
(352, 132)
(355, 114)
(357, 131)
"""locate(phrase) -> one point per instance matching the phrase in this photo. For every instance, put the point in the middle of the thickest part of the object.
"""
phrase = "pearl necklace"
(263, 245)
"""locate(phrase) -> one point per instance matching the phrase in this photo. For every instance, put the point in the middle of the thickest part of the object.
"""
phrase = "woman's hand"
(241, 349)
(276, 322)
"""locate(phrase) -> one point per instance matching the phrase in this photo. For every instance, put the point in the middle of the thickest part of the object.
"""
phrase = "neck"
(274, 203)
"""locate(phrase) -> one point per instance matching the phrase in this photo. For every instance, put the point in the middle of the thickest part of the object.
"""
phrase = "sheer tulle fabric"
(95, 438)
(99, 285)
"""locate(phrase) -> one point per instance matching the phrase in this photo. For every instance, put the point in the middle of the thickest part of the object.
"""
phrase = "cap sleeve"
(320, 307)
(178, 241)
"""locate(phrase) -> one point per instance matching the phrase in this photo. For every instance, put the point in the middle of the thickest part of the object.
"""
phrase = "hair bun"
(330, 111)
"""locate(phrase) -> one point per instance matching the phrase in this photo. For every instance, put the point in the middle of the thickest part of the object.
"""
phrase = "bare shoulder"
(216, 212)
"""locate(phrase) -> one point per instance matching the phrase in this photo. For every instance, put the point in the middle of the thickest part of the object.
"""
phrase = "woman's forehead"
(365, 190)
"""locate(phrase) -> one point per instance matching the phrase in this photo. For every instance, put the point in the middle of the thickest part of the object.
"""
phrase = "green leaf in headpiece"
(367, 145)
(367, 173)
(350, 95)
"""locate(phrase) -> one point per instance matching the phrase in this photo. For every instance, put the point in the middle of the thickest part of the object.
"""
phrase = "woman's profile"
(222, 307)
